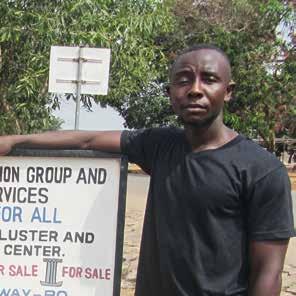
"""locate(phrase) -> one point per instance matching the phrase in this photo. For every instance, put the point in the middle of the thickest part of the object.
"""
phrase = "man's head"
(200, 83)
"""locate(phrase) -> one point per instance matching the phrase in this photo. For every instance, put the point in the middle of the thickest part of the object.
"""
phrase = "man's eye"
(183, 81)
(210, 78)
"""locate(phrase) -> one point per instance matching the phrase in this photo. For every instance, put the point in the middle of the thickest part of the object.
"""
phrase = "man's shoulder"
(157, 133)
(150, 139)
(256, 159)
(167, 130)
(255, 151)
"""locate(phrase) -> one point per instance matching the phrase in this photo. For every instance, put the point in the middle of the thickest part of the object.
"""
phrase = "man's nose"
(196, 89)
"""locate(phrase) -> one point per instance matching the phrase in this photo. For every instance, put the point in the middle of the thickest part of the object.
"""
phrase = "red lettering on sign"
(72, 272)
(97, 273)
(1, 269)
(88, 273)
(23, 270)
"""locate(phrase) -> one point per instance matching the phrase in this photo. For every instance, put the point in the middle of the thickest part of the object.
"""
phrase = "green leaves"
(29, 28)
(263, 62)
(144, 36)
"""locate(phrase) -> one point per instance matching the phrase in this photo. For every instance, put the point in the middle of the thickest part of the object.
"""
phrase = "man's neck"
(208, 137)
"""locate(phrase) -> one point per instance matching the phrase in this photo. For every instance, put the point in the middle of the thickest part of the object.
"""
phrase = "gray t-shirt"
(202, 210)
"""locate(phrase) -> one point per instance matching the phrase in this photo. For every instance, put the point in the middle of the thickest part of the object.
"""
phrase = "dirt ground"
(127, 292)
(137, 189)
(135, 207)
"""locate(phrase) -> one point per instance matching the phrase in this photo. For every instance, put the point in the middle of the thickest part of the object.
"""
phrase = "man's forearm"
(56, 139)
(98, 140)
(265, 284)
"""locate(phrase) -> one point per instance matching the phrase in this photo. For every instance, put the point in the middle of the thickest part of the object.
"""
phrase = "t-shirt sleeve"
(140, 146)
(270, 215)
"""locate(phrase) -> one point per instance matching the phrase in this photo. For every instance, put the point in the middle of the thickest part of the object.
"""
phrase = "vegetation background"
(145, 36)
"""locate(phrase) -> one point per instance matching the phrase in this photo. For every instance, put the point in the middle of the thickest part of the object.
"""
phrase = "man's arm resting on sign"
(108, 141)
(266, 265)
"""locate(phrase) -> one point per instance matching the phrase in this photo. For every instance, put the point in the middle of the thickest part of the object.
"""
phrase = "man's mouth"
(195, 107)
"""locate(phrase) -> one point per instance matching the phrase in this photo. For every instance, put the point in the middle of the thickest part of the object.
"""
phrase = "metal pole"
(78, 90)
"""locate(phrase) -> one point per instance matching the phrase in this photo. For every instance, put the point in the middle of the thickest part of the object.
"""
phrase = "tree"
(145, 35)
(263, 63)
(29, 27)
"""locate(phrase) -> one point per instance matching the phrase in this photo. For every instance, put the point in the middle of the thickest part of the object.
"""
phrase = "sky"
(99, 119)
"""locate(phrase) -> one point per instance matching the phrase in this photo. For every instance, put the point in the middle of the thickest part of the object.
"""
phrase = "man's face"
(199, 86)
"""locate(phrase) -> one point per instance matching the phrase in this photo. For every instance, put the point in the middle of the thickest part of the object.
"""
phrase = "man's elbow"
(266, 283)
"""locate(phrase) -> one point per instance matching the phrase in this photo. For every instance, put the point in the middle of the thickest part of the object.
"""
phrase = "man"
(218, 217)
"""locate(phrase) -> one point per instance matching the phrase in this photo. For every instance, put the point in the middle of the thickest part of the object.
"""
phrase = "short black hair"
(204, 46)
(197, 47)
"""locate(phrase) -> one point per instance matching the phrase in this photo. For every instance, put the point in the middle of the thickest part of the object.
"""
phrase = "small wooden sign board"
(62, 222)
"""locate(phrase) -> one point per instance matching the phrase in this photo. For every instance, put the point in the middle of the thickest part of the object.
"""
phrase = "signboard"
(65, 73)
(61, 223)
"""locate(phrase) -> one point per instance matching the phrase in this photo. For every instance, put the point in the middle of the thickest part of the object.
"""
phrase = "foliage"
(143, 36)
(29, 27)
(263, 63)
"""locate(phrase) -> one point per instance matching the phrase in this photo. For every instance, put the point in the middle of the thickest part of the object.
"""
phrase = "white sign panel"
(63, 73)
(58, 220)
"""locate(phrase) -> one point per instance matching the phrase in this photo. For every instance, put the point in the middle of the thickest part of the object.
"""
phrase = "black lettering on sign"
(9, 174)
(28, 235)
(92, 176)
(48, 174)
(23, 195)
(32, 250)
(82, 237)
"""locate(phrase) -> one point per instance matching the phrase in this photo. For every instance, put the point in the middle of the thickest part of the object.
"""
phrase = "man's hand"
(6, 144)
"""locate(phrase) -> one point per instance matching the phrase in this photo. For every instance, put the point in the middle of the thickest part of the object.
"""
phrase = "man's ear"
(230, 89)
